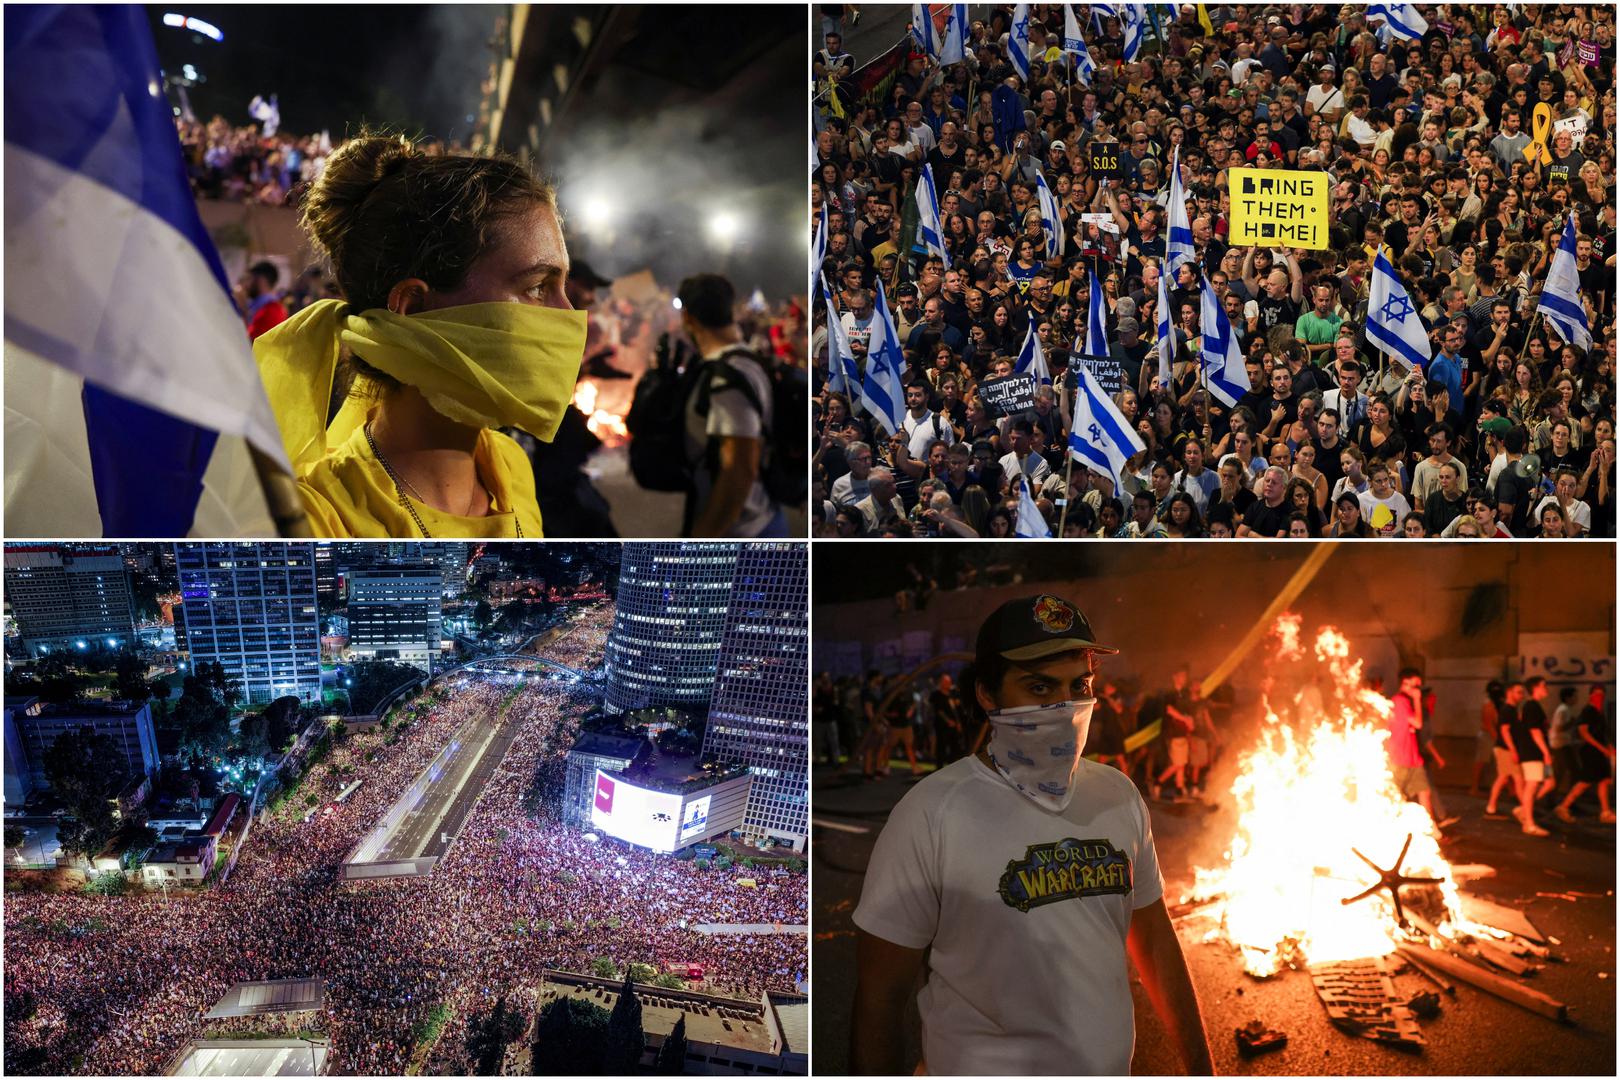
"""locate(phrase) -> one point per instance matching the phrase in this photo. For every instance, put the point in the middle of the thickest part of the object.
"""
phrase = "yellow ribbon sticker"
(1540, 125)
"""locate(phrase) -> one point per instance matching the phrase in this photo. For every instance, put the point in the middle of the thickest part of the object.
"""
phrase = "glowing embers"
(1317, 810)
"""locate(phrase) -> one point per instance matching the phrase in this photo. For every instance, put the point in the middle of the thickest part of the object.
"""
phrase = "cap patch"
(1056, 615)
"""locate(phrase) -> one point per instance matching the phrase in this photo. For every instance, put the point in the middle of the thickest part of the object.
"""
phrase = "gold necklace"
(400, 484)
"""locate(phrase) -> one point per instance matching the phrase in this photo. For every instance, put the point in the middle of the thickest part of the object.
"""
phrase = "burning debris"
(1303, 883)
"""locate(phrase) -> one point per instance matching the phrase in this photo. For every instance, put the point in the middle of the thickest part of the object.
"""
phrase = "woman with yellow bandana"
(455, 324)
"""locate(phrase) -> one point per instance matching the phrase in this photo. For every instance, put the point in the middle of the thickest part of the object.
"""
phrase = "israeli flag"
(1219, 356)
(1030, 525)
(953, 43)
(922, 28)
(1393, 324)
(1560, 301)
(1084, 66)
(1167, 331)
(1178, 244)
(1133, 20)
(1101, 438)
(1051, 221)
(267, 113)
(1096, 319)
(818, 246)
(929, 231)
(1031, 359)
(1018, 41)
(843, 373)
(1400, 20)
(133, 405)
(882, 394)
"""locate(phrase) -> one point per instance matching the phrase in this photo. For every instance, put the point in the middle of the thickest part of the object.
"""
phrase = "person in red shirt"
(264, 307)
(1405, 754)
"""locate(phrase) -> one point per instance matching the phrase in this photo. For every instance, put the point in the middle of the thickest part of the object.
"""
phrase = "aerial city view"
(299, 808)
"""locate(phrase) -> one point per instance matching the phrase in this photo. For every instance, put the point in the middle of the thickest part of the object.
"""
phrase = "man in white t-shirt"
(1022, 458)
(1026, 875)
(922, 424)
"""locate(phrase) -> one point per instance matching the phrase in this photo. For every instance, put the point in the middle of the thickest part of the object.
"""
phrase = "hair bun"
(352, 173)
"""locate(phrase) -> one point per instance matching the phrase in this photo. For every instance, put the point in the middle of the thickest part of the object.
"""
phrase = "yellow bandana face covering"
(483, 365)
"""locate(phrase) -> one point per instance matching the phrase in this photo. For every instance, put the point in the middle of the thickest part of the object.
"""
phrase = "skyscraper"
(667, 624)
(251, 607)
(760, 713)
(394, 613)
(69, 596)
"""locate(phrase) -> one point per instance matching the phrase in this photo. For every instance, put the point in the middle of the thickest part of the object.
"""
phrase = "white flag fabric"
(1560, 302)
(1051, 220)
(1400, 20)
(1096, 319)
(1084, 66)
(843, 373)
(881, 391)
(1178, 244)
(1219, 356)
(1031, 358)
(930, 233)
(1167, 331)
(1018, 41)
(1030, 524)
(1133, 20)
(818, 245)
(953, 43)
(1101, 438)
(922, 28)
(1393, 324)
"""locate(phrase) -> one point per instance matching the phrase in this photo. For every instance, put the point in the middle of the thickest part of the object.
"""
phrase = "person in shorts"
(1405, 754)
(1507, 760)
(1022, 883)
(1485, 741)
(1594, 759)
(1179, 723)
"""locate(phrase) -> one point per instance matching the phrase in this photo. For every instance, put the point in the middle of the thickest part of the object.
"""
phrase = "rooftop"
(722, 1021)
(679, 773)
(273, 996)
(606, 744)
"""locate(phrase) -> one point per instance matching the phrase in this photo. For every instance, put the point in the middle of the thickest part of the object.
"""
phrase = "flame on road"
(605, 425)
(1307, 794)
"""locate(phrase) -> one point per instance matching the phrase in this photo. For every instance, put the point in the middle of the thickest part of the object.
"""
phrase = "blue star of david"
(1021, 27)
(1098, 439)
(1396, 309)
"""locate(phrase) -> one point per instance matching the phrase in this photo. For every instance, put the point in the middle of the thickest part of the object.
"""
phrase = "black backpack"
(659, 458)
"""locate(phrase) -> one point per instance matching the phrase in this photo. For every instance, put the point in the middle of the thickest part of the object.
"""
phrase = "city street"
(1465, 1039)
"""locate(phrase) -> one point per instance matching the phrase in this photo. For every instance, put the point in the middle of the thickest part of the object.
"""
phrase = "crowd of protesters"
(582, 642)
(119, 984)
(1509, 431)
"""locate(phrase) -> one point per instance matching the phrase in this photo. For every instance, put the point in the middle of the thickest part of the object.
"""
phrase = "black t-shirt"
(1276, 312)
(1264, 520)
(1240, 501)
(1531, 717)
(1515, 487)
(1327, 460)
(1506, 717)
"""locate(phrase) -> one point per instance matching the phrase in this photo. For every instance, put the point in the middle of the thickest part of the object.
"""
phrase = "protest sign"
(1104, 158)
(1278, 208)
(1008, 395)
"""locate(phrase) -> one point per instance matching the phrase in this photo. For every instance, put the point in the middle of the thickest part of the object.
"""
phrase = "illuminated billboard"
(636, 815)
(695, 818)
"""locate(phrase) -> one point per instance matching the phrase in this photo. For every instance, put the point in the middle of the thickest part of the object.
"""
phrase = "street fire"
(1309, 876)
(605, 425)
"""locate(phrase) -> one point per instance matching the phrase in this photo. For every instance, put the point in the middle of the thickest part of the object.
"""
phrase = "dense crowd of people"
(582, 644)
(1507, 429)
(515, 894)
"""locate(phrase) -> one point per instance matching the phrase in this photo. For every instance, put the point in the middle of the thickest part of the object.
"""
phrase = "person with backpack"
(728, 416)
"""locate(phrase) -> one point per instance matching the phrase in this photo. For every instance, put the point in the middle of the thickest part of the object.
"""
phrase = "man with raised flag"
(881, 393)
(1560, 301)
(133, 403)
(930, 234)
(1393, 324)
(1178, 241)
(1018, 42)
(1073, 43)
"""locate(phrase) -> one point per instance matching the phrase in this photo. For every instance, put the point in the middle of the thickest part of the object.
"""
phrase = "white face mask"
(1037, 748)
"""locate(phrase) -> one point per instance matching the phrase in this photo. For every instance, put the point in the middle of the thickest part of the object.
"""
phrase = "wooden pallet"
(1360, 999)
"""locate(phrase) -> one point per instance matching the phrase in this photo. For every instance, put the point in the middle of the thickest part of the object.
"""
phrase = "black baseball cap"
(1033, 627)
(581, 271)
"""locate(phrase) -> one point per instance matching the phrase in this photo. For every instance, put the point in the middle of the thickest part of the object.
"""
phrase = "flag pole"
(1068, 472)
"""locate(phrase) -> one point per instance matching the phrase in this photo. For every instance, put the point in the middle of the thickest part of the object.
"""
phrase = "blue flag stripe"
(1416, 359)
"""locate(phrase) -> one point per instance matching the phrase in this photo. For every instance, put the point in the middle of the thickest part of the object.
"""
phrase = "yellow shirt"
(349, 494)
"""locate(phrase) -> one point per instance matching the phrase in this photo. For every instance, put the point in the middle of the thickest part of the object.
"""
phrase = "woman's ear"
(408, 297)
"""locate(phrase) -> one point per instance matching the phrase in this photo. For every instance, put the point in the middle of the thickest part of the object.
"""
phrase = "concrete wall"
(1167, 603)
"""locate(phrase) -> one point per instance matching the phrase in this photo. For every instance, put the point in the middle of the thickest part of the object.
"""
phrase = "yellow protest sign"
(1278, 208)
